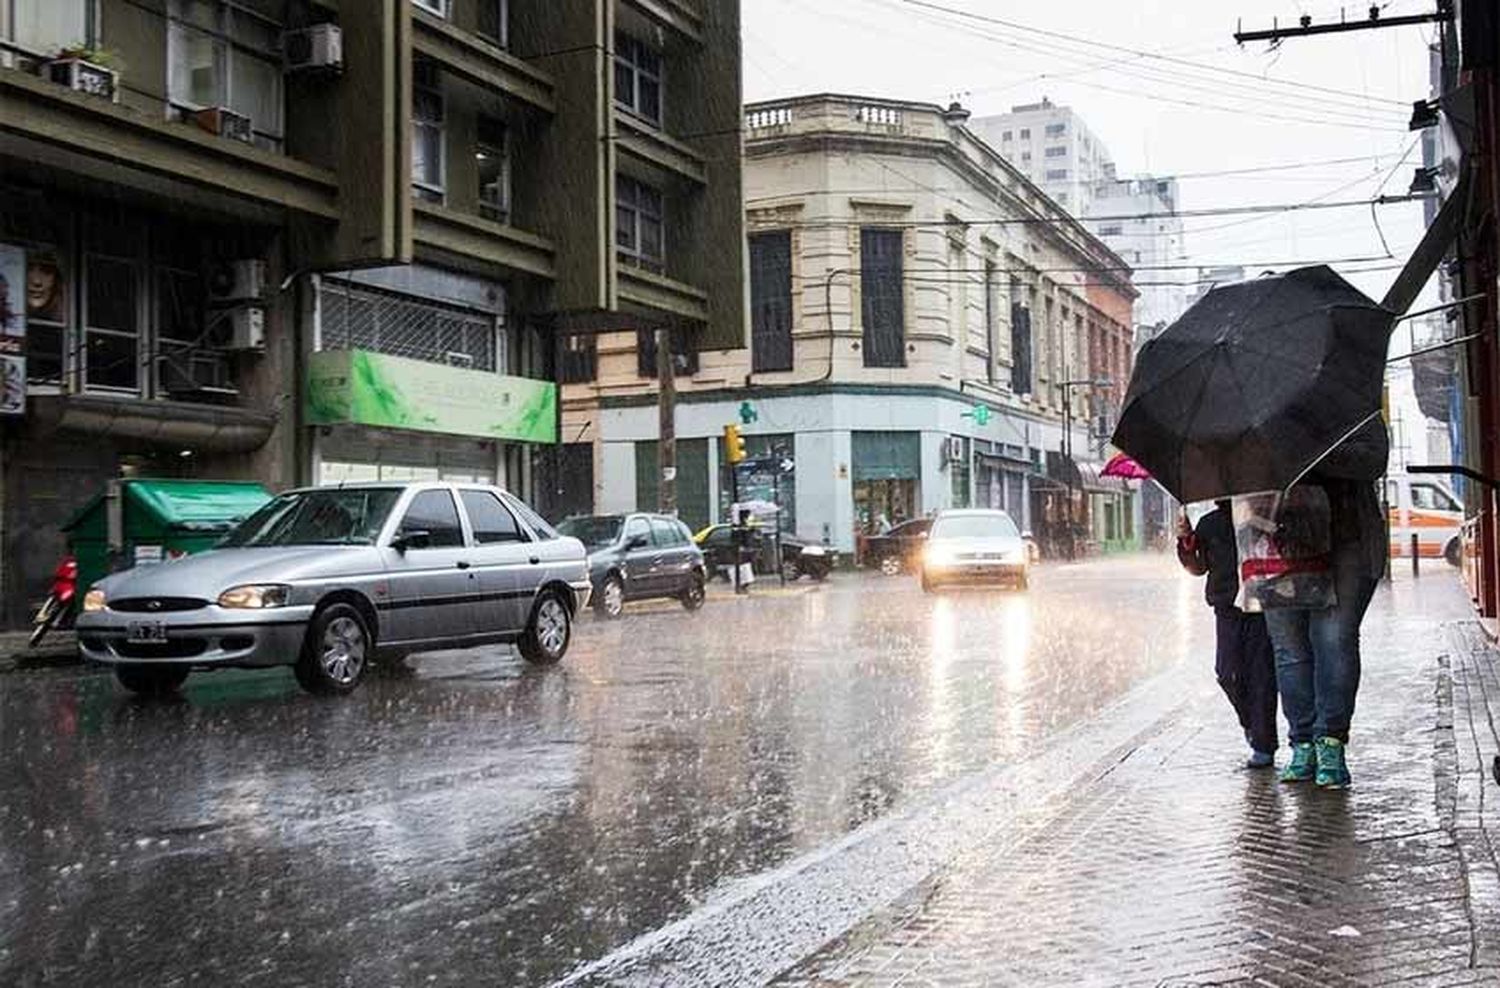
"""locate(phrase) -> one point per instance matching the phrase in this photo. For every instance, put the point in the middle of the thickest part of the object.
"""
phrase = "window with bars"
(224, 54)
(882, 305)
(356, 317)
(638, 77)
(1021, 373)
(684, 352)
(638, 224)
(428, 167)
(991, 329)
(771, 301)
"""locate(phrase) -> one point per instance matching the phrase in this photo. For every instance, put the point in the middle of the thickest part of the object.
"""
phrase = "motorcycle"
(57, 610)
(810, 559)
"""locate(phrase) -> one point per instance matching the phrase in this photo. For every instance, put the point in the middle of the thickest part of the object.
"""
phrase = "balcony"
(658, 293)
(480, 61)
(77, 132)
(465, 236)
(682, 16)
(653, 146)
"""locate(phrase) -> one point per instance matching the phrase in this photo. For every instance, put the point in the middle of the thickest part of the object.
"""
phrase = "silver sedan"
(318, 579)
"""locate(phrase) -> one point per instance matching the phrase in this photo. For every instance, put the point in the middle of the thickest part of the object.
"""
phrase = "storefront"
(1000, 481)
(887, 472)
(407, 381)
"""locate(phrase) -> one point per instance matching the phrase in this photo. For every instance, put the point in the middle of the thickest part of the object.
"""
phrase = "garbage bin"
(140, 522)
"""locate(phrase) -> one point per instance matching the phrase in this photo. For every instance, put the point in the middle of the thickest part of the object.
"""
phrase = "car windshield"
(593, 531)
(322, 517)
(996, 526)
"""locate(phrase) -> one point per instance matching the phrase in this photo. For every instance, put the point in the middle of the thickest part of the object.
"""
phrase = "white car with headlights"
(318, 579)
(975, 546)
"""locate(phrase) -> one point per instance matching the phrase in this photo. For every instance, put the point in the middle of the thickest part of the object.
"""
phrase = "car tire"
(818, 575)
(790, 570)
(611, 601)
(890, 565)
(548, 632)
(695, 594)
(336, 651)
(152, 680)
(1453, 552)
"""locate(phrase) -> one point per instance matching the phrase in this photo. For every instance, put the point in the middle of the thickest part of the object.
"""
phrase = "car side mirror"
(417, 538)
(636, 542)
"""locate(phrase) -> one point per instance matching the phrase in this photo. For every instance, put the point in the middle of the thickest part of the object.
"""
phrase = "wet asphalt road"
(476, 821)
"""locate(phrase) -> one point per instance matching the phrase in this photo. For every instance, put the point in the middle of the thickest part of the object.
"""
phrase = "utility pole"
(666, 406)
(1305, 26)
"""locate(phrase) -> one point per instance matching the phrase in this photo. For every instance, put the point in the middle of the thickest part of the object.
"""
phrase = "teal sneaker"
(1304, 763)
(1332, 773)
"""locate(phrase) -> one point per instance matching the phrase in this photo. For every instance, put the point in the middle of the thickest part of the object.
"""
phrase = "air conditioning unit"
(237, 281)
(247, 328)
(310, 48)
(953, 449)
(224, 122)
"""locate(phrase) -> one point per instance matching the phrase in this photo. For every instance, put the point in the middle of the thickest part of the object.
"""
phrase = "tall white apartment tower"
(1053, 147)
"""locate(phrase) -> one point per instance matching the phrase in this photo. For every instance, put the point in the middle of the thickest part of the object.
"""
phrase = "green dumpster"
(139, 522)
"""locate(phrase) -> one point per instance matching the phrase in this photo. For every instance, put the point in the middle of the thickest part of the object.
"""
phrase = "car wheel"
(548, 632)
(890, 566)
(611, 602)
(790, 570)
(694, 595)
(1453, 552)
(152, 680)
(336, 651)
(818, 574)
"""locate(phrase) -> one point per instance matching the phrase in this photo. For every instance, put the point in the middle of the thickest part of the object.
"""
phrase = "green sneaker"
(1304, 763)
(1332, 773)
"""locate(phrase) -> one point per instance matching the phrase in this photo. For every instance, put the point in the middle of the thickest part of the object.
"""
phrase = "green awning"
(886, 455)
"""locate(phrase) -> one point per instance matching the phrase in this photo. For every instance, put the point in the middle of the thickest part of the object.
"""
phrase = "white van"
(1426, 506)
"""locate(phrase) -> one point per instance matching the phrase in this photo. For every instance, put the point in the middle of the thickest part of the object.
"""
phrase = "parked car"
(798, 556)
(323, 578)
(900, 549)
(639, 556)
(974, 546)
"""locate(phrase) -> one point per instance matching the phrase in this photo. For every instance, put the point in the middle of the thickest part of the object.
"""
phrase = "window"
(771, 301)
(1025, 156)
(492, 158)
(111, 326)
(1057, 151)
(637, 528)
(494, 21)
(1005, 135)
(1062, 197)
(882, 303)
(1025, 133)
(685, 354)
(223, 54)
(427, 131)
(1057, 129)
(577, 359)
(1057, 174)
(665, 532)
(638, 77)
(489, 519)
(1020, 342)
(1425, 497)
(45, 26)
(438, 7)
(638, 224)
(359, 317)
(1111, 230)
(434, 512)
(538, 525)
(991, 335)
(190, 340)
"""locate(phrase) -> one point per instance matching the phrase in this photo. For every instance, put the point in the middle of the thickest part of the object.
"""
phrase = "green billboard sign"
(364, 388)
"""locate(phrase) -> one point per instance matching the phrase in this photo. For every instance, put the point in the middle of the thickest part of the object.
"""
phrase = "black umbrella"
(1255, 384)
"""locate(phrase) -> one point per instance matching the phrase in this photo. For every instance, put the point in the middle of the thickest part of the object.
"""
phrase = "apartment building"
(921, 320)
(303, 241)
(1053, 147)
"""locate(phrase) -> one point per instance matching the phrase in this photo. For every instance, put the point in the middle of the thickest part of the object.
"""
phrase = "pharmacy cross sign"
(979, 413)
(748, 413)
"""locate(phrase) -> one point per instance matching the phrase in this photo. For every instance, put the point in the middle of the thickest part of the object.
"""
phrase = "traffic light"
(734, 444)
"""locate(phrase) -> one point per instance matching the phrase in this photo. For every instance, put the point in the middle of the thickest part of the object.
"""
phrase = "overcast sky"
(1137, 100)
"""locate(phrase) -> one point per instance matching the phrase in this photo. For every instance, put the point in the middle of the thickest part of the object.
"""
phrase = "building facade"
(1053, 147)
(921, 322)
(302, 241)
(1134, 216)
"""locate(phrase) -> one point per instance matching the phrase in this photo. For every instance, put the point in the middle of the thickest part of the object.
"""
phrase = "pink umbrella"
(1123, 466)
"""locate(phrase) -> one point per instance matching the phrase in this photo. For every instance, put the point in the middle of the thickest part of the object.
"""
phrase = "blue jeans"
(1317, 654)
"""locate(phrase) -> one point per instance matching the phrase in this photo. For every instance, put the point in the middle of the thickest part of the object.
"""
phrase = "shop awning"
(173, 424)
(1087, 475)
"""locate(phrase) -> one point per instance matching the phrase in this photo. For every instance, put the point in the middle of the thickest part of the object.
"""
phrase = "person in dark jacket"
(1243, 661)
(1317, 651)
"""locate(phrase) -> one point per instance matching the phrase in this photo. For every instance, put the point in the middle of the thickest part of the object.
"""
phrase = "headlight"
(255, 596)
(939, 555)
(93, 601)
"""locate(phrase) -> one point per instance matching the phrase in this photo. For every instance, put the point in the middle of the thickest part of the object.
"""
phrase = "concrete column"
(825, 492)
(936, 488)
(617, 479)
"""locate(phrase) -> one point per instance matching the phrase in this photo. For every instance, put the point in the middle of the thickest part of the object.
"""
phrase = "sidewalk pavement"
(1173, 867)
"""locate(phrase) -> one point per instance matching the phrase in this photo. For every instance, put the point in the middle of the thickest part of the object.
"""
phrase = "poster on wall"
(12, 330)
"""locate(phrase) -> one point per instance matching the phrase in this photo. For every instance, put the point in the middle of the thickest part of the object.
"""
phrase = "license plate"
(146, 632)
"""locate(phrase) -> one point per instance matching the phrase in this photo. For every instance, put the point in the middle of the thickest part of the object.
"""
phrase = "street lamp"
(1067, 390)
